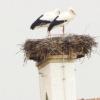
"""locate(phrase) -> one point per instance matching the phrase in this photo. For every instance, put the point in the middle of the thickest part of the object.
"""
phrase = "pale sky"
(20, 82)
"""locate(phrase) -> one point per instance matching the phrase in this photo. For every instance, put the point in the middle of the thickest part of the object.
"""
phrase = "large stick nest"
(39, 49)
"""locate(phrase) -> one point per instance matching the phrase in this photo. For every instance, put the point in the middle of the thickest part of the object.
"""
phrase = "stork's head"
(57, 11)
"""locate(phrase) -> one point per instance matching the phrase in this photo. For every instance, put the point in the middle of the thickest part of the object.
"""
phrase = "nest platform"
(73, 46)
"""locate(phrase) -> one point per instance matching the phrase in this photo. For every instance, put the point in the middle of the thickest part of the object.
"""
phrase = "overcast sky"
(19, 81)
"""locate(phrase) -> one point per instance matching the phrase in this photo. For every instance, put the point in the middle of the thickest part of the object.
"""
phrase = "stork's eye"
(72, 11)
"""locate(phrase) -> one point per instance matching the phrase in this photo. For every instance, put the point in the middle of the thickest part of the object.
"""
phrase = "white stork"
(64, 17)
(45, 19)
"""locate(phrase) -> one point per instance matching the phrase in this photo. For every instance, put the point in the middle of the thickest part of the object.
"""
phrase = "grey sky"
(21, 83)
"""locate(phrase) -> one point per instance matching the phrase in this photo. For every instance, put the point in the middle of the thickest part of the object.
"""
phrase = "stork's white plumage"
(45, 19)
(64, 17)
(50, 16)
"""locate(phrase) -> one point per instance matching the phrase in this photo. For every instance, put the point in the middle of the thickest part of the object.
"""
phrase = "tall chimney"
(57, 79)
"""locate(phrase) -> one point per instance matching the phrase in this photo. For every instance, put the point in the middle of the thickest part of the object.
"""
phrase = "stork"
(64, 17)
(45, 19)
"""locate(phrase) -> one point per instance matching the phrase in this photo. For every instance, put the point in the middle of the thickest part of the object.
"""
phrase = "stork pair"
(54, 18)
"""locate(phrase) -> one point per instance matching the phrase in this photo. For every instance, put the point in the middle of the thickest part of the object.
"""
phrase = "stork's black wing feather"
(33, 24)
(39, 22)
(55, 23)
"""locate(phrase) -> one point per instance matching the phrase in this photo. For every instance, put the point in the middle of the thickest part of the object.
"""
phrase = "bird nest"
(39, 49)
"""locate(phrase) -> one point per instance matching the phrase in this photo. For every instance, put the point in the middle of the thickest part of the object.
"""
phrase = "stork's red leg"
(63, 30)
(49, 35)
